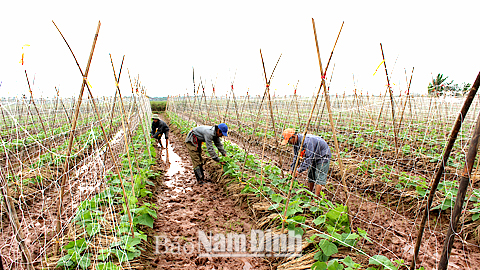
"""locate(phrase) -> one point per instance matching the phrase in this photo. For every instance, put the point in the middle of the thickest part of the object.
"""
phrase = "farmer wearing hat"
(316, 157)
(209, 135)
(158, 129)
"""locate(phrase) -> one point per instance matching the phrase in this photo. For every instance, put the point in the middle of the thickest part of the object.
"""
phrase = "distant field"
(158, 106)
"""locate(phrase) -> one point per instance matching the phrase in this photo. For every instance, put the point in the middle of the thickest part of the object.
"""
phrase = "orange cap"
(287, 134)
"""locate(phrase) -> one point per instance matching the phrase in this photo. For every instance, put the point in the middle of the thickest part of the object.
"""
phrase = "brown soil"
(186, 207)
(394, 230)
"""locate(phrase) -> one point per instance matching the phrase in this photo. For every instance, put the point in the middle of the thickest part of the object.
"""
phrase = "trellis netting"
(38, 176)
(388, 168)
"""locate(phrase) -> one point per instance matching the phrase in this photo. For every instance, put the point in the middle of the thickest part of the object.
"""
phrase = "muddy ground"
(393, 233)
(185, 208)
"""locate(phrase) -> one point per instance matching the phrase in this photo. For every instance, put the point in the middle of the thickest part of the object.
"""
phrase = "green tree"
(465, 88)
(439, 86)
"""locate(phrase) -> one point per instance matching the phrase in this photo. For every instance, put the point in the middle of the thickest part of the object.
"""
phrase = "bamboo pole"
(462, 190)
(194, 94)
(271, 111)
(406, 99)
(72, 134)
(441, 165)
(54, 117)
(327, 100)
(63, 105)
(256, 121)
(125, 135)
(322, 72)
(12, 214)
(147, 144)
(38, 113)
(391, 100)
(125, 197)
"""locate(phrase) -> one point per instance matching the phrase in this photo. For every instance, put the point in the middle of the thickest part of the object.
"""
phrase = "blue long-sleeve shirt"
(316, 150)
(207, 134)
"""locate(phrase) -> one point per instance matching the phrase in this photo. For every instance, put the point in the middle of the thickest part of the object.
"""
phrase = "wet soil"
(185, 208)
(393, 229)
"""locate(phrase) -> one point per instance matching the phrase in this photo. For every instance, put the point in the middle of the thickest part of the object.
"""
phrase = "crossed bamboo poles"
(327, 100)
(468, 169)
(84, 83)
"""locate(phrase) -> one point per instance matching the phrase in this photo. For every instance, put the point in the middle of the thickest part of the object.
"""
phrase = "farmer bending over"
(194, 140)
(158, 129)
(317, 158)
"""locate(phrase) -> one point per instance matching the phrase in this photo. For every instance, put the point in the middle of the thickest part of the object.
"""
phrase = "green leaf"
(107, 266)
(319, 266)
(298, 231)
(475, 216)
(334, 265)
(93, 228)
(363, 233)
(121, 255)
(273, 207)
(76, 243)
(328, 247)
(319, 220)
(103, 257)
(352, 236)
(320, 256)
(132, 241)
(65, 261)
(299, 219)
(145, 219)
(348, 262)
(276, 198)
(145, 192)
(383, 261)
(84, 261)
(293, 209)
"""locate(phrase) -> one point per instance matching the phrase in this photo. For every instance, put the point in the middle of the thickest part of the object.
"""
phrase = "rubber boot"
(199, 175)
(203, 174)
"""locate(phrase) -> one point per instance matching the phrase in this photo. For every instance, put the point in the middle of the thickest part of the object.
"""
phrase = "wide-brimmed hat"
(155, 116)
(223, 128)
(287, 134)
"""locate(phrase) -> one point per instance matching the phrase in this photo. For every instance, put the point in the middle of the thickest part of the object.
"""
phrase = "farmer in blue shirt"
(209, 135)
(316, 157)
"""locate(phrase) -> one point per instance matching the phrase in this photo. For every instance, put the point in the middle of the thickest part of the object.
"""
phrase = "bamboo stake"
(195, 96)
(112, 112)
(147, 144)
(391, 100)
(327, 100)
(72, 134)
(406, 99)
(462, 190)
(308, 122)
(12, 214)
(256, 121)
(54, 117)
(125, 197)
(125, 135)
(226, 109)
(63, 105)
(441, 165)
(38, 113)
(271, 111)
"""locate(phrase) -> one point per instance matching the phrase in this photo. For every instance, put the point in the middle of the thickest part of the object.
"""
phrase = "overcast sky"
(163, 40)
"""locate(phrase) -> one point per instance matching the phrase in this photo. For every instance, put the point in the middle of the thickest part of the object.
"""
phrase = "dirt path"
(185, 208)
